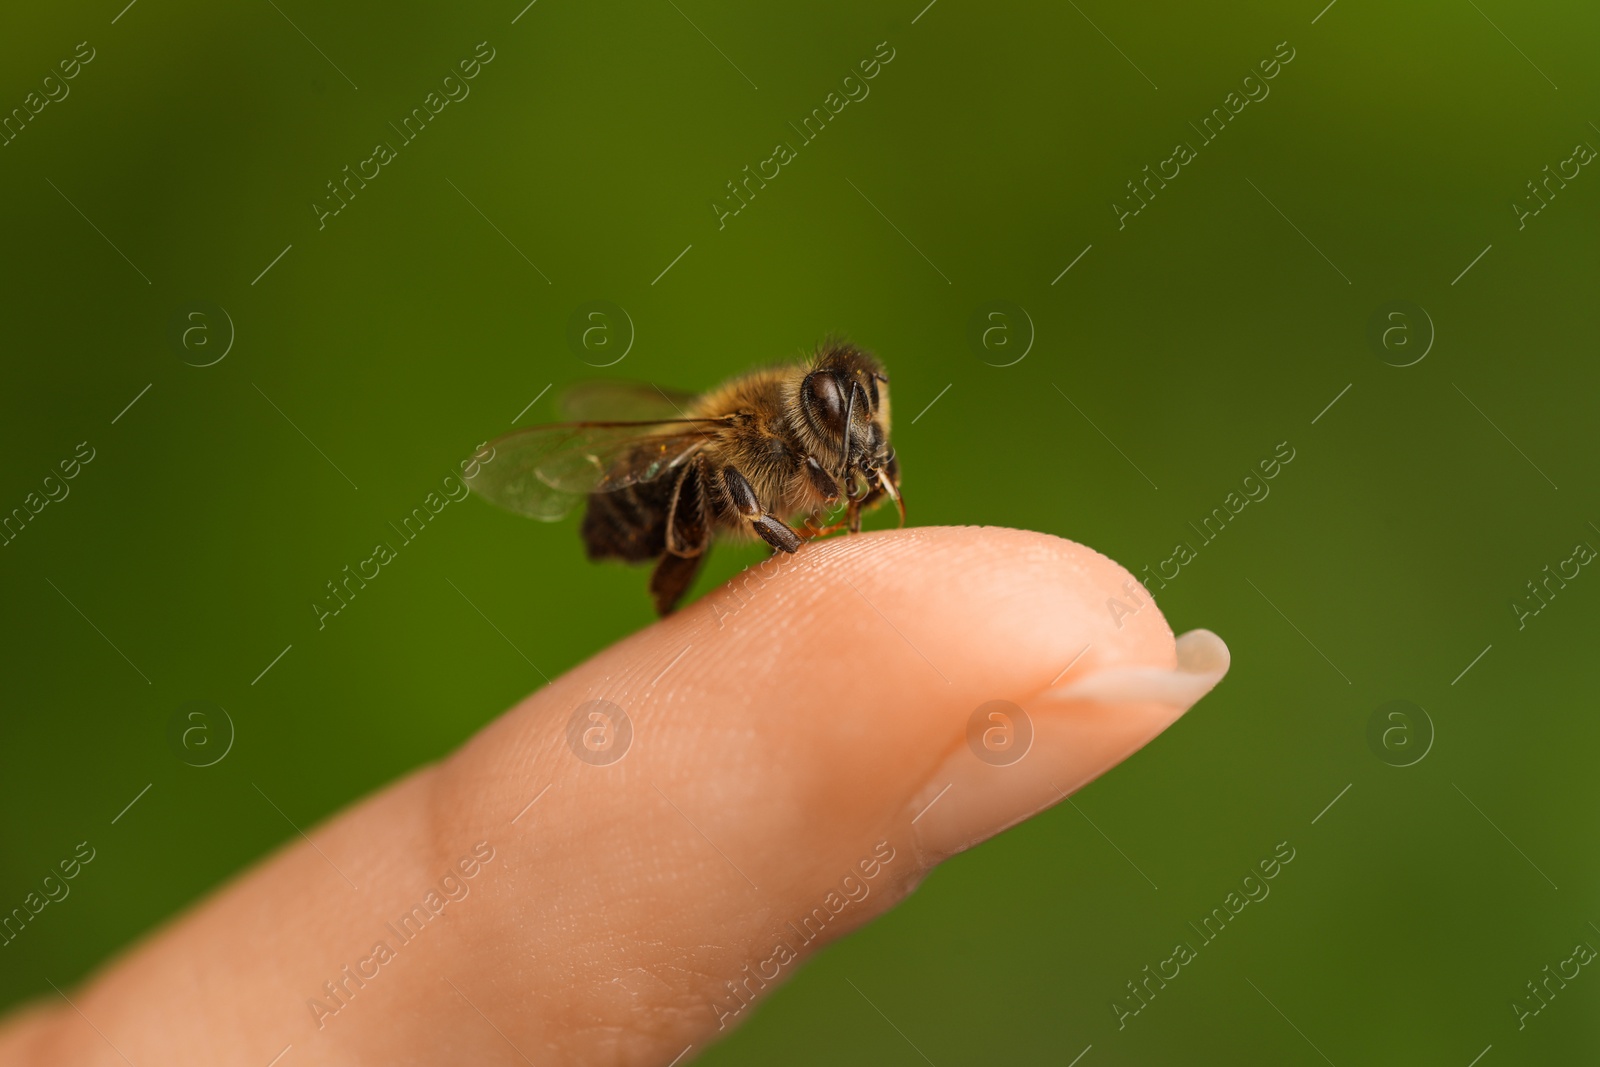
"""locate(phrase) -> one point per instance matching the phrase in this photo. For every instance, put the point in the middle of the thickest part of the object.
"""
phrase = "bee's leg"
(882, 487)
(688, 535)
(773, 530)
(672, 578)
(687, 530)
(828, 489)
(812, 531)
(853, 517)
(818, 526)
(821, 481)
(899, 501)
(889, 478)
(777, 533)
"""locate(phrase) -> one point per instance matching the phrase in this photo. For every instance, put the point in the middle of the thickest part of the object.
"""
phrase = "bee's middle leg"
(817, 525)
(811, 531)
(773, 530)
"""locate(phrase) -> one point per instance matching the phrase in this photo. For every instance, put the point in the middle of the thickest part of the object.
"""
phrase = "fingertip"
(815, 710)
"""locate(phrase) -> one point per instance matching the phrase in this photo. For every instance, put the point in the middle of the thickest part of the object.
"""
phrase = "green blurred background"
(1177, 352)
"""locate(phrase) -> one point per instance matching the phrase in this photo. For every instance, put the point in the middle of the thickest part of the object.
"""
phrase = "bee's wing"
(612, 399)
(543, 471)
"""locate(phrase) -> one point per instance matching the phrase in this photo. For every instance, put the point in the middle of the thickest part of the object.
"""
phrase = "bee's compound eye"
(824, 396)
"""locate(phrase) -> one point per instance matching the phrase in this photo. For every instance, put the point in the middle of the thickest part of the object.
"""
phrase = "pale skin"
(817, 724)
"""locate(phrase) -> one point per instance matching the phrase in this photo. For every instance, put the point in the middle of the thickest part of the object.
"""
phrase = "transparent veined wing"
(543, 471)
(611, 399)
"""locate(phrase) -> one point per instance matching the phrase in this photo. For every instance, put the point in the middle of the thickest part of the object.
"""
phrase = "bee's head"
(844, 407)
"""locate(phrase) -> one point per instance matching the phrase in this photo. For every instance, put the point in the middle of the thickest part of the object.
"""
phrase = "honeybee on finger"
(664, 472)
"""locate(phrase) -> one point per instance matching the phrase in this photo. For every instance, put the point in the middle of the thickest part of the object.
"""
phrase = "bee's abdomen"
(628, 523)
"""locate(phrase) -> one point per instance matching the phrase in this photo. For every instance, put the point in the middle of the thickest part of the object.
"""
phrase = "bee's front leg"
(773, 530)
(821, 481)
(859, 494)
(853, 514)
(827, 489)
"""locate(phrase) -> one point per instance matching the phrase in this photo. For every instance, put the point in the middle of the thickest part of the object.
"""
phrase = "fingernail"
(1019, 758)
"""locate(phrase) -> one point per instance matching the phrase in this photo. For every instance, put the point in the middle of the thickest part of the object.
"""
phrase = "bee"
(664, 472)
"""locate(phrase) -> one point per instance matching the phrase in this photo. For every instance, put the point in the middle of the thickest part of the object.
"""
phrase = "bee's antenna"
(849, 411)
